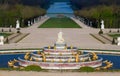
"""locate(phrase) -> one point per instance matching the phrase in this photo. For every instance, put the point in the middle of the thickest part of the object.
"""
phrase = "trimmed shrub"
(101, 31)
(110, 31)
(118, 30)
(33, 68)
(7, 40)
(113, 41)
(86, 69)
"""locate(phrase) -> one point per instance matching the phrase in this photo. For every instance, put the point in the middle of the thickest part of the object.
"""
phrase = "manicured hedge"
(33, 68)
(86, 69)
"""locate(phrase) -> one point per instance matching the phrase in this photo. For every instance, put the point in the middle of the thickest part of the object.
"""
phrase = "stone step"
(107, 37)
(11, 36)
(22, 36)
(18, 38)
(101, 39)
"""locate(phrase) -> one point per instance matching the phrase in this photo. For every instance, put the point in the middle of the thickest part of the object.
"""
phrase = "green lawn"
(5, 34)
(114, 35)
(59, 23)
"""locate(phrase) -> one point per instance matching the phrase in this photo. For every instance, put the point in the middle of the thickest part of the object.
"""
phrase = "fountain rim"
(17, 51)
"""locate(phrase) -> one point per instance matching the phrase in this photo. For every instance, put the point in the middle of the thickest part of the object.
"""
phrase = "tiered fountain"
(60, 57)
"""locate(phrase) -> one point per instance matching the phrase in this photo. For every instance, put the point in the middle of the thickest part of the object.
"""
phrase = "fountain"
(60, 56)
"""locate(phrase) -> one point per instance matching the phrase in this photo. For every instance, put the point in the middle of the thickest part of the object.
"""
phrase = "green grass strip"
(114, 35)
(5, 34)
(59, 23)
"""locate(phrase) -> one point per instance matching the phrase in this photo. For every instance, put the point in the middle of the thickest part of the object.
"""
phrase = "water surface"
(60, 8)
(4, 58)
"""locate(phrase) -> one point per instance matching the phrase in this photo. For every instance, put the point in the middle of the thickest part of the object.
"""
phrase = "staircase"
(104, 38)
(16, 37)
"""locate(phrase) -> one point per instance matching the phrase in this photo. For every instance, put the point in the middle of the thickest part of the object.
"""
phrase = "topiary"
(2, 30)
(7, 40)
(110, 31)
(118, 30)
(86, 69)
(100, 32)
(113, 41)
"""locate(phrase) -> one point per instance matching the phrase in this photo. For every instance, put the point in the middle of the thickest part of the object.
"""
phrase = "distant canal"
(60, 8)
(4, 58)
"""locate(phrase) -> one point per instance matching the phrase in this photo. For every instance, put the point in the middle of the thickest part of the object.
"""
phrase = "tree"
(108, 13)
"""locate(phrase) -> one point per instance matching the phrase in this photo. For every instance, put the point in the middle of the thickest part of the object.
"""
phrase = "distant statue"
(118, 41)
(60, 38)
(29, 23)
(1, 40)
(102, 25)
(17, 24)
(10, 26)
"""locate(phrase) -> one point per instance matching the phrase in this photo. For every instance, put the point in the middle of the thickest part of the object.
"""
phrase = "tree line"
(110, 15)
(97, 10)
(11, 10)
(41, 3)
(79, 4)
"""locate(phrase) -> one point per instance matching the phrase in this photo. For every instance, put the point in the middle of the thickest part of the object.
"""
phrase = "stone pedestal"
(60, 45)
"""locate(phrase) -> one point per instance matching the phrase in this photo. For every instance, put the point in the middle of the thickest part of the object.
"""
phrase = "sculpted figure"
(60, 38)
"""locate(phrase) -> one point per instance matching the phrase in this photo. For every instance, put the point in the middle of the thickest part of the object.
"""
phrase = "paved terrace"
(40, 37)
(17, 73)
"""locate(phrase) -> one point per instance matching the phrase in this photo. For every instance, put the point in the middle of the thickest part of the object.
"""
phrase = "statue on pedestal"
(102, 25)
(29, 23)
(17, 24)
(60, 38)
(1, 40)
(118, 41)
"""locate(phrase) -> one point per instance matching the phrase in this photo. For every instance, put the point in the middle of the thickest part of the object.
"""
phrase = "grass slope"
(59, 23)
